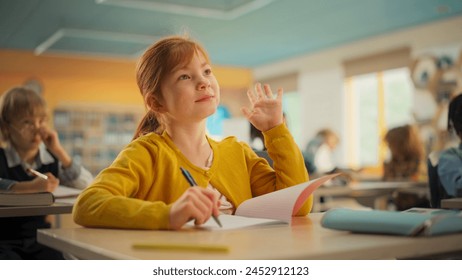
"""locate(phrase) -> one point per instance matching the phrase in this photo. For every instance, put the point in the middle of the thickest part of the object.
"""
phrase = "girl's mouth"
(205, 98)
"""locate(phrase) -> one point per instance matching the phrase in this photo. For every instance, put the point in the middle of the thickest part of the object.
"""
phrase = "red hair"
(157, 62)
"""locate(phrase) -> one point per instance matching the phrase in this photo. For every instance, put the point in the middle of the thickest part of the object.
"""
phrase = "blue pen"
(193, 183)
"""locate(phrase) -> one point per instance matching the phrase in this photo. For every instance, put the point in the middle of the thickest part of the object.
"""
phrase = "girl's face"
(332, 142)
(24, 132)
(191, 93)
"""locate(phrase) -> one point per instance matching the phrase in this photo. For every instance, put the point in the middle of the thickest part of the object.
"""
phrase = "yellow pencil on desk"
(182, 247)
(38, 174)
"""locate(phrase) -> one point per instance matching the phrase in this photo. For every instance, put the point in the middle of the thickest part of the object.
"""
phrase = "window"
(375, 102)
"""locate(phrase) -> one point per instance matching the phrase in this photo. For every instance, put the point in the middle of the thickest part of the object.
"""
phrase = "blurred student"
(450, 160)
(30, 144)
(319, 152)
(406, 154)
(144, 187)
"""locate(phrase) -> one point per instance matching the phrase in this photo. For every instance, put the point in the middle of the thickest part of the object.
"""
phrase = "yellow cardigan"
(136, 191)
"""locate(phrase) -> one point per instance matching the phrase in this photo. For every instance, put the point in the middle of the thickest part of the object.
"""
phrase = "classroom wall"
(321, 74)
(93, 81)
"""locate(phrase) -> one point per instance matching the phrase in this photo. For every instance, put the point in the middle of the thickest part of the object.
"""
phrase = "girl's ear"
(153, 104)
(4, 133)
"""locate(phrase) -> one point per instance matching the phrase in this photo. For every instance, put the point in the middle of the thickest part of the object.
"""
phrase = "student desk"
(304, 239)
(370, 193)
(64, 202)
(452, 203)
(53, 209)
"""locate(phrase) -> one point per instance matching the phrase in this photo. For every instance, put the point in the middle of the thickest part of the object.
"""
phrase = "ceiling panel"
(245, 33)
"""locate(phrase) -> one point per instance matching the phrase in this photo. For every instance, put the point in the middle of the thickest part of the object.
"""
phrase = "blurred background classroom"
(358, 68)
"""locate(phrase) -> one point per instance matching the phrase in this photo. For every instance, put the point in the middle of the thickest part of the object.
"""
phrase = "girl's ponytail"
(148, 124)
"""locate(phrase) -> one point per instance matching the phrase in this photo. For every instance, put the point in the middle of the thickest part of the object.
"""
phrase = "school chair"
(437, 191)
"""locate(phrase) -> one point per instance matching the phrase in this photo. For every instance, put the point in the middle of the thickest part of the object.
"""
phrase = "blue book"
(406, 223)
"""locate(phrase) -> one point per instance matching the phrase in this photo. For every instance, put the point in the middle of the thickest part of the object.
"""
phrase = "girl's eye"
(208, 71)
(184, 77)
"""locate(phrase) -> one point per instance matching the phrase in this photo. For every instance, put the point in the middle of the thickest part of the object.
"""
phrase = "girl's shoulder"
(451, 152)
(228, 142)
(150, 141)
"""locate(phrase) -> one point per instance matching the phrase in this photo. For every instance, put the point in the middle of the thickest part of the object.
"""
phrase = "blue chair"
(437, 191)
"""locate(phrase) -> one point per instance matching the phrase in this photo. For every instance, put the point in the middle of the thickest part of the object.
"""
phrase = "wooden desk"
(373, 194)
(64, 202)
(20, 211)
(305, 239)
(452, 203)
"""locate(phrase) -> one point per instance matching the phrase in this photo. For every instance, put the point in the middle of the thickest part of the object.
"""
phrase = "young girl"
(407, 154)
(318, 152)
(144, 187)
(450, 160)
(30, 144)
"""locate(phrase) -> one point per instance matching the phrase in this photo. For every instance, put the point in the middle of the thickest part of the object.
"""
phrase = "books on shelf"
(271, 208)
(26, 199)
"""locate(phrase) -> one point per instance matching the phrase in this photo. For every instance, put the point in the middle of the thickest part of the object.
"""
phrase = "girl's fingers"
(202, 203)
(252, 97)
(259, 91)
(280, 94)
(268, 92)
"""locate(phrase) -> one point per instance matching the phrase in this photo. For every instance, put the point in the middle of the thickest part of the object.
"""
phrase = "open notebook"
(269, 209)
(66, 192)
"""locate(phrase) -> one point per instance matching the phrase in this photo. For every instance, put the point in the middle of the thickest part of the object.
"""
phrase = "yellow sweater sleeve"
(288, 161)
(119, 195)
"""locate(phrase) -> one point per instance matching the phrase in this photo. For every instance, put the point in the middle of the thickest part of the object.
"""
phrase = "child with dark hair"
(450, 161)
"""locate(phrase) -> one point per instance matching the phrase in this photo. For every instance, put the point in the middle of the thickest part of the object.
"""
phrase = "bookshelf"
(94, 135)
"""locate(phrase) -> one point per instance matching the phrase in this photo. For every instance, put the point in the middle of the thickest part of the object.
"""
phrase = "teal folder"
(407, 223)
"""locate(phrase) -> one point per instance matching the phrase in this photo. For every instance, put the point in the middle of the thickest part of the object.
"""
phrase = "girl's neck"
(193, 144)
(188, 139)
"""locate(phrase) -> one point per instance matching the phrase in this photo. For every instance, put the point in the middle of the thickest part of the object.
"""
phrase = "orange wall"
(92, 81)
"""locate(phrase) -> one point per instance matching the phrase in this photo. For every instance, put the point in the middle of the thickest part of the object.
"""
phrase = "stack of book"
(26, 199)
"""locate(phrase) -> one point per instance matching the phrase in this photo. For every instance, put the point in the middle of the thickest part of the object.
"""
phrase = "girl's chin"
(211, 112)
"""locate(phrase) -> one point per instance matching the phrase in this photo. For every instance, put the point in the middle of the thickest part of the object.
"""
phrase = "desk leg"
(58, 221)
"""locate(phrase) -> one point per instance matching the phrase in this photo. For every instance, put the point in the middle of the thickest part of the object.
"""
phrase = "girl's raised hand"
(266, 110)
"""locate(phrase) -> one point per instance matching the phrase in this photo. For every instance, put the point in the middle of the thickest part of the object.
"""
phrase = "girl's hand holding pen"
(38, 184)
(47, 182)
(197, 204)
(48, 185)
(266, 110)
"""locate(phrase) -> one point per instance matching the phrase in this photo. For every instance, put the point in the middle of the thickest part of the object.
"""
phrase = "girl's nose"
(203, 83)
(37, 126)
